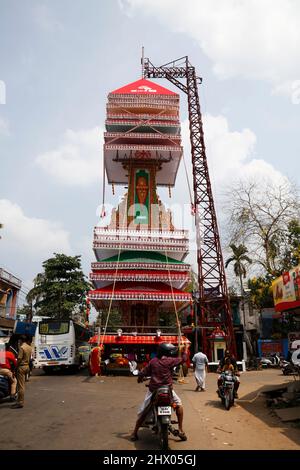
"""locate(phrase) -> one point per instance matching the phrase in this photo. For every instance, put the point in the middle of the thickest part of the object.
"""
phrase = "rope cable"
(181, 379)
(117, 265)
(103, 190)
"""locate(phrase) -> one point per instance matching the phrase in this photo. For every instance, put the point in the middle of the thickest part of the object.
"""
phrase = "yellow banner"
(286, 288)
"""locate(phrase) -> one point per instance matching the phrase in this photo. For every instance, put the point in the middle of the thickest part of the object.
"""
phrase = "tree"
(239, 259)
(24, 311)
(261, 291)
(259, 216)
(291, 250)
(59, 291)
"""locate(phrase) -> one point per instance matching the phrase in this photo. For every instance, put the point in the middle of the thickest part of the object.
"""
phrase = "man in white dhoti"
(201, 367)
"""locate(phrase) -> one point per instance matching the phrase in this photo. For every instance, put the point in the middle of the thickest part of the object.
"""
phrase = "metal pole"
(244, 331)
(196, 327)
(31, 312)
(143, 62)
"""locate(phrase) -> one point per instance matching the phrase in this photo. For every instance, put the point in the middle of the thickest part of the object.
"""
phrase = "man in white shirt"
(201, 367)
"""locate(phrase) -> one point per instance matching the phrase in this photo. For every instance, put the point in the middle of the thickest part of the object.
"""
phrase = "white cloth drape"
(200, 375)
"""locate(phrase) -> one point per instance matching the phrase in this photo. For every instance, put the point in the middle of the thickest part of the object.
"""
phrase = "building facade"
(10, 285)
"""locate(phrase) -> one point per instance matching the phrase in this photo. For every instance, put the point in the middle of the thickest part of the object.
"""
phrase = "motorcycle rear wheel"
(164, 436)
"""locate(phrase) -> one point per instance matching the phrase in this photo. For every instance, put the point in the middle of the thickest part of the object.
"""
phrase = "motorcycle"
(288, 368)
(226, 389)
(158, 414)
(4, 387)
(272, 361)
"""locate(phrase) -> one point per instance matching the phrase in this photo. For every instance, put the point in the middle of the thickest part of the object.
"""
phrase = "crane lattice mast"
(213, 294)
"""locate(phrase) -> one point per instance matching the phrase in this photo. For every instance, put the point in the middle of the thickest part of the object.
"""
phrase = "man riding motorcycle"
(160, 369)
(224, 365)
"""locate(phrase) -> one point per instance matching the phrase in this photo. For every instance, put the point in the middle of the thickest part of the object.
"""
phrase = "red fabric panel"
(144, 87)
(287, 306)
(139, 339)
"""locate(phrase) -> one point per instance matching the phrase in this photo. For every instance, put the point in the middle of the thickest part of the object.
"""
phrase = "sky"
(58, 61)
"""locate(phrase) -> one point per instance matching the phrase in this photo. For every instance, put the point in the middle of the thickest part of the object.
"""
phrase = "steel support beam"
(213, 299)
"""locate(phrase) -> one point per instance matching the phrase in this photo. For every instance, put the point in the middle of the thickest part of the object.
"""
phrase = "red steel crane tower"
(215, 316)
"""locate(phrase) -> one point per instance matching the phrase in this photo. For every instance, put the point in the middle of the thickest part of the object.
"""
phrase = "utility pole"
(244, 330)
(196, 304)
(246, 339)
(31, 312)
(99, 321)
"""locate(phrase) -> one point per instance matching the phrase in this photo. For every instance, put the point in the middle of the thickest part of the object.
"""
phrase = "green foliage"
(291, 253)
(192, 285)
(239, 258)
(261, 287)
(24, 310)
(261, 291)
(60, 290)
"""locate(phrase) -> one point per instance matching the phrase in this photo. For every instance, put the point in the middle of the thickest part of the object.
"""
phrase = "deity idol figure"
(142, 189)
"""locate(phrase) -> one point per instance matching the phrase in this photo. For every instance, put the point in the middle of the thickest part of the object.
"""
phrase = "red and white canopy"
(140, 291)
(143, 87)
(138, 339)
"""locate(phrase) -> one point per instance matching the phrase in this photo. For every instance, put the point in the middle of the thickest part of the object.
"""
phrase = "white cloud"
(84, 246)
(230, 157)
(29, 237)
(77, 161)
(45, 19)
(230, 154)
(227, 151)
(4, 127)
(246, 38)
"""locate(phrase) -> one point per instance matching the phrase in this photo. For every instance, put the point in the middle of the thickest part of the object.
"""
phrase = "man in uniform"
(22, 369)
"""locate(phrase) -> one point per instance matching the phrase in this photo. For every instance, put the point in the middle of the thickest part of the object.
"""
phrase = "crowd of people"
(15, 363)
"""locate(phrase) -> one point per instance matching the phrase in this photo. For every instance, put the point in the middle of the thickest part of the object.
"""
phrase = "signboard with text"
(286, 290)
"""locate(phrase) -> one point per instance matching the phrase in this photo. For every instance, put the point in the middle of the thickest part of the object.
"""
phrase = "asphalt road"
(85, 413)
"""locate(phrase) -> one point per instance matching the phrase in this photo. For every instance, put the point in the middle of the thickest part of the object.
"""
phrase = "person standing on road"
(201, 367)
(95, 360)
(24, 357)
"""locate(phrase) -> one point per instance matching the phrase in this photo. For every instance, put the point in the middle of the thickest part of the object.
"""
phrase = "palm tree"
(239, 258)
